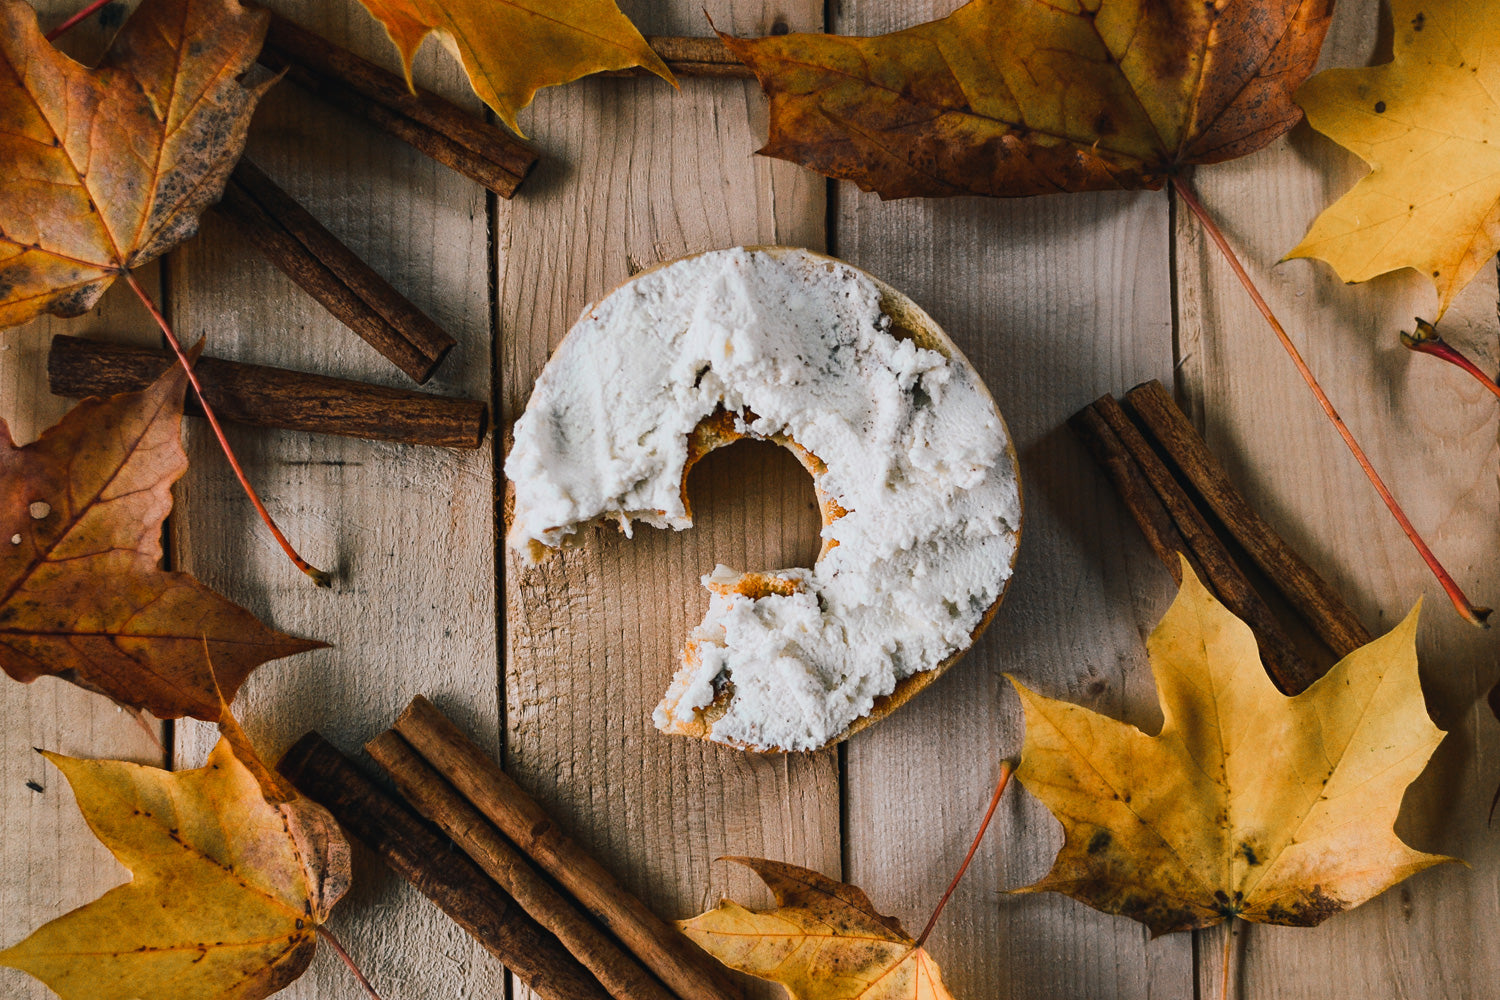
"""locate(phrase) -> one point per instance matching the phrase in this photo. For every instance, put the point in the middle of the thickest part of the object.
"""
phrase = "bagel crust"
(910, 459)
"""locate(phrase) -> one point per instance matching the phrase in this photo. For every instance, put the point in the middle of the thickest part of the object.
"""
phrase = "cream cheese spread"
(796, 345)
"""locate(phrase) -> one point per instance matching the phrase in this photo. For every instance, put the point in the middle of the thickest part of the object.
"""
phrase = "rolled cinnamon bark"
(692, 56)
(333, 274)
(1317, 602)
(444, 875)
(1211, 557)
(685, 968)
(434, 125)
(431, 795)
(273, 397)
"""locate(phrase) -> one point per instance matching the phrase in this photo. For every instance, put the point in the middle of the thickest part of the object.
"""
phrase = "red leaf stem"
(81, 16)
(1473, 615)
(338, 949)
(1428, 341)
(318, 576)
(1005, 773)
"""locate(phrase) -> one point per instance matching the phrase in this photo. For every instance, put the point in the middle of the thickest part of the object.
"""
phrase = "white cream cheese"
(796, 345)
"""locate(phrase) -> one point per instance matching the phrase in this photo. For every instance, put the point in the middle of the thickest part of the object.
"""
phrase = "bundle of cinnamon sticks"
(530, 894)
(1187, 506)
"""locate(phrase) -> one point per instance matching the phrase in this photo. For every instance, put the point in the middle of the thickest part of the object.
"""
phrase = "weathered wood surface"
(1056, 300)
(631, 174)
(1431, 431)
(51, 863)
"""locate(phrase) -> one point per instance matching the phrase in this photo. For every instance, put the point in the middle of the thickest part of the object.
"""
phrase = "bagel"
(913, 468)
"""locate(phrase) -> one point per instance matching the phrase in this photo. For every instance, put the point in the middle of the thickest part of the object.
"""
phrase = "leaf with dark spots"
(1248, 803)
(1016, 97)
(823, 941)
(82, 594)
(225, 900)
(1431, 201)
(109, 168)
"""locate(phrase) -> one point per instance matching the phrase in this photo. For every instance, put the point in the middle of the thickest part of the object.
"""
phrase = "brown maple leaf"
(108, 168)
(82, 596)
(1022, 97)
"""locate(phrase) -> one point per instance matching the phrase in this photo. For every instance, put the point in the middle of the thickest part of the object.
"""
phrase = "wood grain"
(1056, 301)
(408, 532)
(52, 863)
(633, 173)
(1432, 434)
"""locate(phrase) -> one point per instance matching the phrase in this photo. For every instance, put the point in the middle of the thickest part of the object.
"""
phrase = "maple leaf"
(1428, 125)
(1248, 803)
(513, 48)
(233, 874)
(1017, 97)
(824, 940)
(109, 168)
(81, 592)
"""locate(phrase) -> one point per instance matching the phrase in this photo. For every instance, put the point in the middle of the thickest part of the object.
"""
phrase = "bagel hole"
(754, 506)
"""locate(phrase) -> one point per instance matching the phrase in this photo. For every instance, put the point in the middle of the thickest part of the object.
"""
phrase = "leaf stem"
(318, 576)
(1005, 773)
(1473, 615)
(333, 942)
(81, 16)
(1228, 956)
(1428, 341)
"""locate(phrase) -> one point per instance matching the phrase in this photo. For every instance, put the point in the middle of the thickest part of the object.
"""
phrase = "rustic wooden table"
(1056, 300)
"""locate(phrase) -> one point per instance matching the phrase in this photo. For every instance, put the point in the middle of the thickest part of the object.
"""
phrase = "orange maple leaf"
(109, 168)
(82, 596)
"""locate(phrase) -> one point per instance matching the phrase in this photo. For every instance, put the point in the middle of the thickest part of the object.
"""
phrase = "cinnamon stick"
(435, 126)
(692, 57)
(679, 963)
(443, 874)
(431, 795)
(332, 273)
(1135, 489)
(1218, 569)
(273, 397)
(1311, 595)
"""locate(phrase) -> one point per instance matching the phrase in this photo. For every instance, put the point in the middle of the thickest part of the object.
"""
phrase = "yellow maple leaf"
(1248, 803)
(1428, 124)
(824, 940)
(513, 48)
(234, 871)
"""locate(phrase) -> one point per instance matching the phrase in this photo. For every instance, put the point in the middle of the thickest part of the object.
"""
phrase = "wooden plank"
(1056, 301)
(408, 531)
(633, 173)
(1432, 434)
(51, 862)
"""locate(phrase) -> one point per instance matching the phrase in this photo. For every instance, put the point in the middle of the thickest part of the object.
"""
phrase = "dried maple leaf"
(513, 48)
(824, 940)
(1248, 803)
(233, 874)
(108, 168)
(81, 592)
(1020, 97)
(1428, 124)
